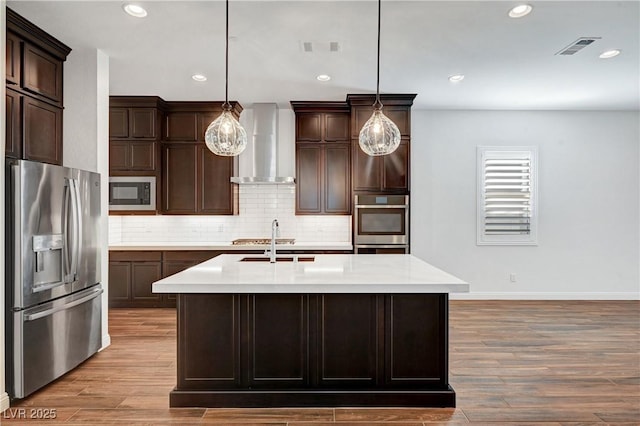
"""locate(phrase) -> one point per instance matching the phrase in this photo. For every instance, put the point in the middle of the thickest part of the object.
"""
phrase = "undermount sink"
(279, 259)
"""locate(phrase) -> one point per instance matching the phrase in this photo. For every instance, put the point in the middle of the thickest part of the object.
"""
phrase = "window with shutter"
(507, 201)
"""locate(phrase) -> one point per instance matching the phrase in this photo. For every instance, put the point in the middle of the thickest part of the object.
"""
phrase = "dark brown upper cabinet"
(136, 117)
(188, 121)
(42, 131)
(196, 181)
(387, 173)
(13, 64)
(135, 129)
(323, 158)
(125, 156)
(13, 147)
(42, 73)
(34, 76)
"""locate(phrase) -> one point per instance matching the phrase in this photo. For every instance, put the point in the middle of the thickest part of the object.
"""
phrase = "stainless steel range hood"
(265, 148)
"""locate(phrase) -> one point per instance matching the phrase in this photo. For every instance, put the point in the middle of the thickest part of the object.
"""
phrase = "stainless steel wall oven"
(381, 222)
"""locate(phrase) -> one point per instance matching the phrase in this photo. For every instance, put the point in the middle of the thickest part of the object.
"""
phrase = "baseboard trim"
(545, 296)
(4, 401)
(106, 342)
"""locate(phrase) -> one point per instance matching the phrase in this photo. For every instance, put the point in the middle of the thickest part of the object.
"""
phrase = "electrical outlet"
(512, 277)
(221, 228)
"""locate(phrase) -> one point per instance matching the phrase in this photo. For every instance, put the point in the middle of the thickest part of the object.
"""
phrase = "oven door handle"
(386, 206)
(381, 245)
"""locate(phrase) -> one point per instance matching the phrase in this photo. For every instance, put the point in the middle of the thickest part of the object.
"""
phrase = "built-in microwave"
(132, 193)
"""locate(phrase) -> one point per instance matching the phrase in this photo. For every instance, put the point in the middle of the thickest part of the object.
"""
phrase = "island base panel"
(264, 399)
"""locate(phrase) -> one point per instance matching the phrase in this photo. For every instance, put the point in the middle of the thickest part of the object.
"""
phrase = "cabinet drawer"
(127, 256)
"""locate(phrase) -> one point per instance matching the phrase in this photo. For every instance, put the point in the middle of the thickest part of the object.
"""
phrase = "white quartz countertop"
(328, 273)
(226, 245)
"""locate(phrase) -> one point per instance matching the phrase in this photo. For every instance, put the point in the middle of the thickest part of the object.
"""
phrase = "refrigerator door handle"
(73, 253)
(32, 317)
(79, 225)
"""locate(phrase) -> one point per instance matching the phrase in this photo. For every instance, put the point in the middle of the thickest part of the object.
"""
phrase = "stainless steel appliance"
(381, 224)
(132, 193)
(52, 283)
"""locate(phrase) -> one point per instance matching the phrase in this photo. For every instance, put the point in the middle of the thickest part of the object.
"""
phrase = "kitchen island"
(322, 330)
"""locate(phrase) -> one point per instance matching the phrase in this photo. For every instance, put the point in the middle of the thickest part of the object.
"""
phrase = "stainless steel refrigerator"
(52, 285)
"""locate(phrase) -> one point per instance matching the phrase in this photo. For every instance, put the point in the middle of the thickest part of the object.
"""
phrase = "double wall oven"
(381, 224)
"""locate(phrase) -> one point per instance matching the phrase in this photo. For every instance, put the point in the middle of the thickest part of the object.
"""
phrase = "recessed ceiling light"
(134, 10)
(610, 54)
(456, 78)
(520, 11)
(323, 77)
(199, 77)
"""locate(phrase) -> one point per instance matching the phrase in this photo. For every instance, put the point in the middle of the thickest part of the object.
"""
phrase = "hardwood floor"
(511, 362)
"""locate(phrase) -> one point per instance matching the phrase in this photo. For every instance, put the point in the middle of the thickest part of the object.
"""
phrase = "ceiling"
(508, 63)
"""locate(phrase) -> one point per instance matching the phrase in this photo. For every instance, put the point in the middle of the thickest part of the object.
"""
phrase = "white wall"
(4, 398)
(86, 136)
(588, 188)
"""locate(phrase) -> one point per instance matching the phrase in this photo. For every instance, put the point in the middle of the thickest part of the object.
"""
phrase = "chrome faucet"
(275, 232)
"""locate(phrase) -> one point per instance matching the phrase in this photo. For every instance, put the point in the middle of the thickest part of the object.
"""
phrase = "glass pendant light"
(225, 136)
(379, 135)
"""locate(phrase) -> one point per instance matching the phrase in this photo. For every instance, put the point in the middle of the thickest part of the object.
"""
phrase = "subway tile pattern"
(258, 206)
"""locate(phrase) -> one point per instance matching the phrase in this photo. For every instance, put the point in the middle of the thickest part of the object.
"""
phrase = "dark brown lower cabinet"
(262, 350)
(131, 275)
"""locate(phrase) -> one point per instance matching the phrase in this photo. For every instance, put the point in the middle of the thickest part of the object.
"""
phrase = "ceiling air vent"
(320, 46)
(577, 45)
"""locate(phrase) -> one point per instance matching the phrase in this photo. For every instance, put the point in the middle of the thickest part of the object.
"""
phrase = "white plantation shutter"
(507, 195)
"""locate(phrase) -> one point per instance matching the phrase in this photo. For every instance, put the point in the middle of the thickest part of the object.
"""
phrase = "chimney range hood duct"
(265, 148)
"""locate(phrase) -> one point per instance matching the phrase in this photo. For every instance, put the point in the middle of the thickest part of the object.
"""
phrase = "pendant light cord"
(378, 104)
(226, 60)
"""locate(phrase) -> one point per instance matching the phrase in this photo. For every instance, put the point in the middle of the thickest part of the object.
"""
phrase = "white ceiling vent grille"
(577, 45)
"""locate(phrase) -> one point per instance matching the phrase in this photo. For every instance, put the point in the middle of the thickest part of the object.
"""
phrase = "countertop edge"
(230, 247)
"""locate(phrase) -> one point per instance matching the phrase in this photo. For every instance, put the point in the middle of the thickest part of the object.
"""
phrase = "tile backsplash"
(258, 204)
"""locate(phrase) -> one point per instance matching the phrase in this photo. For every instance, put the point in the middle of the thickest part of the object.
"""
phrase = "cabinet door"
(309, 127)
(204, 119)
(415, 351)
(13, 58)
(182, 126)
(13, 147)
(337, 179)
(348, 339)
(143, 274)
(42, 129)
(308, 178)
(278, 340)
(336, 127)
(119, 153)
(209, 351)
(119, 283)
(143, 156)
(396, 168)
(179, 178)
(143, 122)
(214, 188)
(42, 73)
(118, 122)
(170, 268)
(366, 170)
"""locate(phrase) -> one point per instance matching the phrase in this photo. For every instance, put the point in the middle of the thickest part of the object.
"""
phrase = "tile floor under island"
(511, 362)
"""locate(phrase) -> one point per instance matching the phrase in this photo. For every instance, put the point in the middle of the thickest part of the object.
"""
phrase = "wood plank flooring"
(511, 362)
